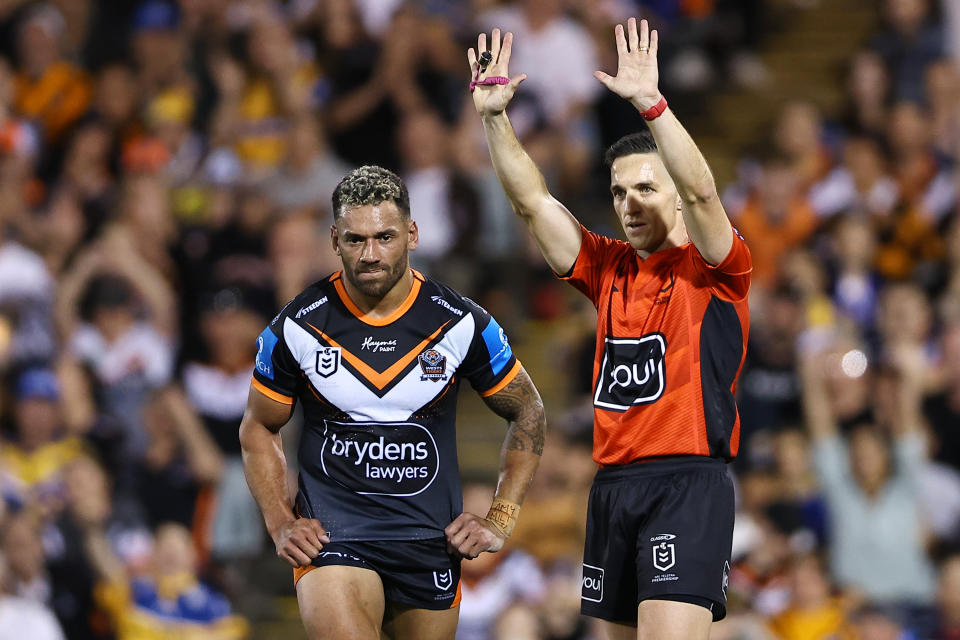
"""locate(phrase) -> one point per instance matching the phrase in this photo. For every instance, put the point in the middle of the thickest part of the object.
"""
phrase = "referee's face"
(645, 199)
(373, 242)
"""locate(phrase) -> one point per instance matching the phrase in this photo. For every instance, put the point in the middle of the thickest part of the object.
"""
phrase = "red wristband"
(656, 110)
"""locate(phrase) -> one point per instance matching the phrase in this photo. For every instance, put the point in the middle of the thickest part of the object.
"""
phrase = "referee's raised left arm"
(637, 81)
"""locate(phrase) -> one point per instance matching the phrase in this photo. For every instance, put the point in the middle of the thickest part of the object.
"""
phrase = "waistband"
(658, 466)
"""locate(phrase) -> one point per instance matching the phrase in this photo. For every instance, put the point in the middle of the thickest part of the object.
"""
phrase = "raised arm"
(555, 229)
(520, 405)
(203, 456)
(297, 540)
(817, 412)
(637, 81)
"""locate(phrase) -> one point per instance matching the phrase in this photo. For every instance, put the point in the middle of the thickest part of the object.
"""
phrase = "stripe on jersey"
(380, 379)
(352, 393)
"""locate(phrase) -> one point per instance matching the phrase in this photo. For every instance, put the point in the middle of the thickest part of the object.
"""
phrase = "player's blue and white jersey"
(378, 455)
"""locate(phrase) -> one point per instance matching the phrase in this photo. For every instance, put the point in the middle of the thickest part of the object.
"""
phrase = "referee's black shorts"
(660, 529)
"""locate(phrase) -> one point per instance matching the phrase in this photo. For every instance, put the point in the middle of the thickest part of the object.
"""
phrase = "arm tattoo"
(520, 404)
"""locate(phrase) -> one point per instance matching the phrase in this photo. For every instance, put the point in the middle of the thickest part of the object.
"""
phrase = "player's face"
(645, 199)
(373, 242)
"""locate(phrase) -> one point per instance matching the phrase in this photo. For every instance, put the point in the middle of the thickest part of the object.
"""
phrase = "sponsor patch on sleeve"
(497, 345)
(265, 345)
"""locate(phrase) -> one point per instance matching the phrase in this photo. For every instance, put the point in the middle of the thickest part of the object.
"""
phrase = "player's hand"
(637, 74)
(300, 541)
(471, 535)
(491, 100)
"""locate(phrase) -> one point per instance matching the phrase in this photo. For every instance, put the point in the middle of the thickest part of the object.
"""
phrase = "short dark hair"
(370, 184)
(640, 142)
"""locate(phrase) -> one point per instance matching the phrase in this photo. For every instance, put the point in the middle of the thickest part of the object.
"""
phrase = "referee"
(671, 338)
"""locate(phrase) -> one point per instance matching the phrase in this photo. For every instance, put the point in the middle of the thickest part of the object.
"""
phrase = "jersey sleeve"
(597, 256)
(731, 278)
(276, 374)
(490, 364)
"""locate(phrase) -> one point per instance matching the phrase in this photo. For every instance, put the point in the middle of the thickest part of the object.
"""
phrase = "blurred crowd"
(165, 178)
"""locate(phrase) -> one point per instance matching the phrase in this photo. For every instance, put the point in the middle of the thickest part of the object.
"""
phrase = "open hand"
(637, 73)
(491, 100)
(471, 535)
(300, 541)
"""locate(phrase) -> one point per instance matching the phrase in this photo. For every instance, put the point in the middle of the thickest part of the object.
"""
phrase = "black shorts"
(415, 573)
(661, 530)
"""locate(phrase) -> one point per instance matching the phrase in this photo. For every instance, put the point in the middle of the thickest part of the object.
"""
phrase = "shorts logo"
(443, 580)
(726, 574)
(632, 372)
(433, 365)
(591, 586)
(664, 556)
(328, 361)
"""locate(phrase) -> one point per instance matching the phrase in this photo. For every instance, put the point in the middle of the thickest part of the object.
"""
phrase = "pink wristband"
(488, 81)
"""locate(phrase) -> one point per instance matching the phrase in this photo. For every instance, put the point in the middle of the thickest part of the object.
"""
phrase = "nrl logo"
(328, 361)
(433, 365)
(664, 556)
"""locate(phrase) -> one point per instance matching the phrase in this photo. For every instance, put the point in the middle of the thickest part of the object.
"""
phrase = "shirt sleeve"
(830, 463)
(597, 255)
(276, 374)
(731, 278)
(490, 364)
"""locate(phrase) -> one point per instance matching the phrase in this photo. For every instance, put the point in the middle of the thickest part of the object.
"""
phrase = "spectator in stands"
(445, 204)
(50, 91)
(128, 356)
(168, 118)
(217, 388)
(43, 447)
(769, 392)
(21, 545)
(310, 172)
(860, 186)
(492, 583)
(22, 617)
(873, 622)
(299, 251)
(871, 484)
(948, 599)
(778, 212)
(798, 135)
(169, 600)
(813, 613)
(26, 300)
(942, 408)
(910, 42)
(158, 47)
(182, 463)
(798, 487)
(943, 95)
(868, 93)
(280, 81)
(856, 287)
(72, 575)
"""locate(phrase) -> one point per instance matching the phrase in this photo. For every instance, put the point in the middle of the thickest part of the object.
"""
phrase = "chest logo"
(632, 372)
(433, 365)
(328, 361)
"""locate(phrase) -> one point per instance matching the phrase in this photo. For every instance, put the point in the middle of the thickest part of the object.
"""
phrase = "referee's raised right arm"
(555, 229)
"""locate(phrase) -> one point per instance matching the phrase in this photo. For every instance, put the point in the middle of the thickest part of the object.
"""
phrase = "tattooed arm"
(520, 404)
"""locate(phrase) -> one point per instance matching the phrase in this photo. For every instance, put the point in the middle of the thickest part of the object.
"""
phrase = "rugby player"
(375, 354)
(671, 337)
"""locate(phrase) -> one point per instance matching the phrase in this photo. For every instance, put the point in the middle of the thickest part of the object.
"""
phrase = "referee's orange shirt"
(671, 340)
